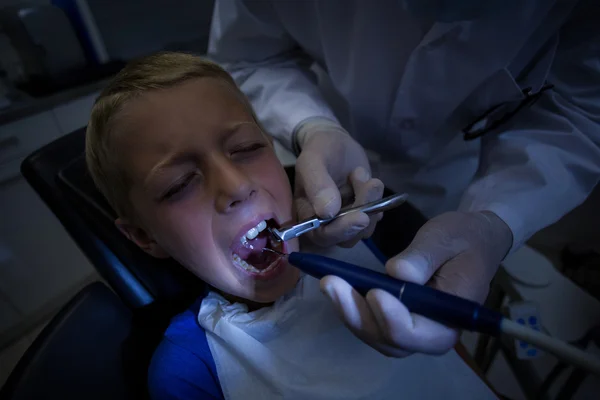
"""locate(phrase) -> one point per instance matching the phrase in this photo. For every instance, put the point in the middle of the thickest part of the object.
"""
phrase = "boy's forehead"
(200, 101)
(163, 121)
(202, 106)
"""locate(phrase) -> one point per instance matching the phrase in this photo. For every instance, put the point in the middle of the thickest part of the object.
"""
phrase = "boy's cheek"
(276, 178)
(190, 251)
(181, 234)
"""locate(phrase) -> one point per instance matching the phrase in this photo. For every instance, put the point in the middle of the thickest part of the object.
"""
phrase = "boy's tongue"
(252, 253)
(261, 259)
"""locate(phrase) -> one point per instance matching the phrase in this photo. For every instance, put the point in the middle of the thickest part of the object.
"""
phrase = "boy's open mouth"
(248, 253)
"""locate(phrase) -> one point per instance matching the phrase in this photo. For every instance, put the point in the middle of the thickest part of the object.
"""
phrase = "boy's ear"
(140, 237)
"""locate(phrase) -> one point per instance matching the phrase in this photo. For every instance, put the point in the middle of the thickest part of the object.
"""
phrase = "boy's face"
(203, 174)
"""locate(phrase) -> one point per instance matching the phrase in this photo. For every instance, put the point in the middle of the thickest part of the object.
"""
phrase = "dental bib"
(298, 348)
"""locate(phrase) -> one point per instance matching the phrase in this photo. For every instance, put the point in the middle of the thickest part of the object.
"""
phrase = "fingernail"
(329, 292)
(323, 201)
(354, 229)
(375, 308)
(408, 269)
(362, 175)
(397, 268)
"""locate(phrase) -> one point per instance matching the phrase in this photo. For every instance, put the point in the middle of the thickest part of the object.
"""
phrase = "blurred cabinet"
(40, 265)
(74, 114)
(19, 138)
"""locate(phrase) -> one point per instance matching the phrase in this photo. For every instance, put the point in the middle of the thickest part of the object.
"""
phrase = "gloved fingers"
(465, 275)
(406, 331)
(348, 230)
(352, 242)
(316, 191)
(365, 190)
(305, 210)
(374, 219)
(364, 234)
(347, 193)
(351, 307)
(354, 312)
(432, 246)
(341, 230)
(316, 188)
(344, 229)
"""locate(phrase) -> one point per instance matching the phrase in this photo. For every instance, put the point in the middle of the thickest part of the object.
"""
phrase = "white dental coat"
(405, 88)
(298, 349)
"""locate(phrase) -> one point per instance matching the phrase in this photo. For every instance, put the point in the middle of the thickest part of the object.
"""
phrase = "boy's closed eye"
(180, 186)
(239, 152)
(246, 150)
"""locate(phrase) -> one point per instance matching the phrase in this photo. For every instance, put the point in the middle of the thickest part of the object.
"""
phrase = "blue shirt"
(182, 366)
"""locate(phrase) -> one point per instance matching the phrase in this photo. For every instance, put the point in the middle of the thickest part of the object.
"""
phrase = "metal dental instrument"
(374, 207)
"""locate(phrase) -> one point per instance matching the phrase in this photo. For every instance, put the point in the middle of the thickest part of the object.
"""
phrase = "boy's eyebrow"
(233, 129)
(175, 159)
(185, 157)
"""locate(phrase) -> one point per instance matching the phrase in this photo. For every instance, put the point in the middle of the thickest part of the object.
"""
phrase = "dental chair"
(100, 344)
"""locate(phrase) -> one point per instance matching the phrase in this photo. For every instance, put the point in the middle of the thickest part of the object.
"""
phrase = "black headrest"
(161, 278)
(58, 173)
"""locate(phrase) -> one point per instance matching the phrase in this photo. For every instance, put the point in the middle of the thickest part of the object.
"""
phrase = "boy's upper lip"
(236, 242)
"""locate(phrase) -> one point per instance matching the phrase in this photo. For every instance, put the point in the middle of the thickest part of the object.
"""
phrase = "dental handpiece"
(440, 306)
(423, 300)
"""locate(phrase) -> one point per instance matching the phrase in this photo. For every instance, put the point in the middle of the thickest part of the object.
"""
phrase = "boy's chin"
(264, 295)
(286, 283)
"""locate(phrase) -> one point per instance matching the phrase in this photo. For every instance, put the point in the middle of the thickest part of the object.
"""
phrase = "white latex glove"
(456, 252)
(333, 167)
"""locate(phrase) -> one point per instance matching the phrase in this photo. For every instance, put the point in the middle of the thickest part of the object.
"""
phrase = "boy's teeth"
(253, 232)
(262, 225)
(249, 267)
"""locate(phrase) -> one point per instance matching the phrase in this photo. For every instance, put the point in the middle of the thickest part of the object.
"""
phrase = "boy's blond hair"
(154, 72)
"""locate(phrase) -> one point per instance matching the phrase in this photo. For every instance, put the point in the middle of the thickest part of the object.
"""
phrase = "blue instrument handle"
(423, 300)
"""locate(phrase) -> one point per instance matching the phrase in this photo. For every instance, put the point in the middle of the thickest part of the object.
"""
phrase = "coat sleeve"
(546, 160)
(248, 39)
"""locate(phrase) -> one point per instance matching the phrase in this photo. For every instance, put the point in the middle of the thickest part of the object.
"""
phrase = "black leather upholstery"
(162, 279)
(152, 290)
(57, 173)
(79, 355)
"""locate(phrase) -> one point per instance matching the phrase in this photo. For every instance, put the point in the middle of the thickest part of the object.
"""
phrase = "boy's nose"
(233, 187)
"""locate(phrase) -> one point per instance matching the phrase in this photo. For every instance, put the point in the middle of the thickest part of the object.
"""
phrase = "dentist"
(486, 113)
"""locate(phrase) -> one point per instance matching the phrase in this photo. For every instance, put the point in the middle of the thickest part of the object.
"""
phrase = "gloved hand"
(333, 167)
(456, 252)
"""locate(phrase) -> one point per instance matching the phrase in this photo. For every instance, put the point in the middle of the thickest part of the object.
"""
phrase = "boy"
(178, 152)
